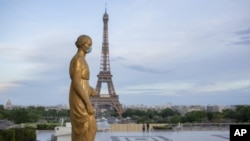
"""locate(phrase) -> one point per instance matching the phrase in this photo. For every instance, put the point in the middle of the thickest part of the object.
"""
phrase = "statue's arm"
(92, 91)
(76, 83)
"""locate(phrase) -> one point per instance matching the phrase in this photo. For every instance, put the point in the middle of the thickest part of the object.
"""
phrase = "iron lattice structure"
(105, 76)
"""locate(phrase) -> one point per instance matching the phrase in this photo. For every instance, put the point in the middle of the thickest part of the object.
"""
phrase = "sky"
(184, 52)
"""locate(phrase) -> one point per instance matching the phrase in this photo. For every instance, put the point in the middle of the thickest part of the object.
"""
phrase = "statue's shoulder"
(76, 60)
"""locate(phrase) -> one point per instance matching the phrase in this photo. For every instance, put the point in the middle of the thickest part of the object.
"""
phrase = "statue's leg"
(92, 129)
(80, 131)
(77, 137)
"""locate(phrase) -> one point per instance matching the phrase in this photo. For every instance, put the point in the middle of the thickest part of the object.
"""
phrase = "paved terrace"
(164, 136)
(152, 136)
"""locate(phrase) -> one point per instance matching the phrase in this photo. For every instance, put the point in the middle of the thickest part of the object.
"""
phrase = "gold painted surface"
(81, 110)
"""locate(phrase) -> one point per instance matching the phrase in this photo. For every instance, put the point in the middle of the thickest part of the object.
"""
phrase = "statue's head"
(85, 42)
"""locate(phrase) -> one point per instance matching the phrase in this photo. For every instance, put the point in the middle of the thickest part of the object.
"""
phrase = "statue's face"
(88, 44)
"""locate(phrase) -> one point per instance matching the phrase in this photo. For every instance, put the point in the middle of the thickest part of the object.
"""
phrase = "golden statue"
(81, 110)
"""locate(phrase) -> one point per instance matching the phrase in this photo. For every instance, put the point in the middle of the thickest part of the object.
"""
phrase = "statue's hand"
(90, 110)
(92, 91)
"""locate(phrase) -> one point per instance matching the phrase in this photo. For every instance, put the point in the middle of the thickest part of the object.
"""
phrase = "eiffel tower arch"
(111, 99)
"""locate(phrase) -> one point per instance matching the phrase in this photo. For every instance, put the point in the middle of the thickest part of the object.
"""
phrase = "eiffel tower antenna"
(111, 99)
(105, 7)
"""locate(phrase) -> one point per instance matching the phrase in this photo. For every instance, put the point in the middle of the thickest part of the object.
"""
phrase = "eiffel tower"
(111, 99)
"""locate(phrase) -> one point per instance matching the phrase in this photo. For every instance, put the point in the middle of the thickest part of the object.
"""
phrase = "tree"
(229, 114)
(1, 111)
(243, 113)
(195, 116)
(175, 119)
(151, 113)
(20, 116)
(133, 112)
(128, 113)
(214, 116)
(168, 112)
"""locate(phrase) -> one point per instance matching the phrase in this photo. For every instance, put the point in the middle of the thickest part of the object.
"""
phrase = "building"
(214, 108)
(8, 105)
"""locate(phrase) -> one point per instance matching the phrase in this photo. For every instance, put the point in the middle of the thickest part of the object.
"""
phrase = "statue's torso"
(83, 67)
(84, 72)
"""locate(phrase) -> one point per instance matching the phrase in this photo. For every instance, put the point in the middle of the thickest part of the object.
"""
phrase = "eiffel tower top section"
(105, 64)
(105, 75)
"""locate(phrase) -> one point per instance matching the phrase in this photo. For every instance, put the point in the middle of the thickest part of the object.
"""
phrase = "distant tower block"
(105, 76)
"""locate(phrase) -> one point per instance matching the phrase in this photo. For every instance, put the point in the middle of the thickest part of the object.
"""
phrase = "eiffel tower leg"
(111, 89)
(98, 87)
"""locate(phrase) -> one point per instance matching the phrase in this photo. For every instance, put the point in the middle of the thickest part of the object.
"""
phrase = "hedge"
(46, 126)
(18, 134)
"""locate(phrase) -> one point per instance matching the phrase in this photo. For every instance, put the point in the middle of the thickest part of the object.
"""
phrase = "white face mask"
(89, 49)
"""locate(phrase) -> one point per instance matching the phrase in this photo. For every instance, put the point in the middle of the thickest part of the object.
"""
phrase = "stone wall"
(131, 127)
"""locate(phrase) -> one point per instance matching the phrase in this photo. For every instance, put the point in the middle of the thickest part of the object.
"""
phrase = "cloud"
(8, 85)
(243, 41)
(40, 91)
(118, 58)
(182, 88)
(145, 69)
(224, 86)
(243, 37)
(243, 32)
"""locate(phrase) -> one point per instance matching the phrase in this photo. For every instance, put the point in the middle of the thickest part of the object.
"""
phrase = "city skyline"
(166, 105)
(183, 52)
